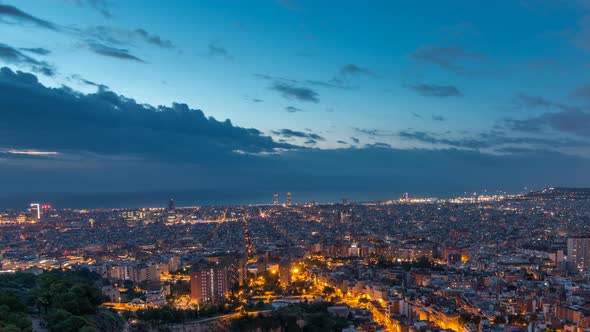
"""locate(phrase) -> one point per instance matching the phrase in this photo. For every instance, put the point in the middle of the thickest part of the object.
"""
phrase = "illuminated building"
(285, 272)
(212, 280)
(275, 199)
(578, 252)
(171, 212)
(209, 285)
(288, 199)
(35, 211)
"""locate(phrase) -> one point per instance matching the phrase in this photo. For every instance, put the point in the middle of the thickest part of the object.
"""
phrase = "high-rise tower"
(578, 252)
(171, 217)
(288, 199)
(275, 199)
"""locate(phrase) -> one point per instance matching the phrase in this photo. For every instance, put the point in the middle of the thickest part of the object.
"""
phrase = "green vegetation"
(297, 317)
(65, 300)
(467, 318)
(421, 263)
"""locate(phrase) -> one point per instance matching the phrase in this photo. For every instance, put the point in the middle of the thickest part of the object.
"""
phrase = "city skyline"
(322, 98)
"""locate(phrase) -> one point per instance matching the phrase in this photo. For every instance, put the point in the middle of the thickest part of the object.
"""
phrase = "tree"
(499, 320)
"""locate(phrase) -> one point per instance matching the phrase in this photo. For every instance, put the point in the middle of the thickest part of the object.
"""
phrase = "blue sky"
(502, 79)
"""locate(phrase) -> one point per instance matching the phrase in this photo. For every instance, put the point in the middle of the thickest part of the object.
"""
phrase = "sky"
(128, 102)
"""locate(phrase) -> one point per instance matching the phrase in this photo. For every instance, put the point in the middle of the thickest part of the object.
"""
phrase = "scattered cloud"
(153, 39)
(291, 91)
(534, 102)
(11, 55)
(354, 70)
(36, 50)
(439, 118)
(372, 132)
(101, 6)
(215, 49)
(118, 53)
(582, 92)
(121, 37)
(293, 109)
(574, 121)
(333, 84)
(378, 145)
(84, 81)
(452, 58)
(11, 14)
(342, 142)
(113, 136)
(416, 115)
(29, 152)
(432, 90)
(492, 140)
(288, 133)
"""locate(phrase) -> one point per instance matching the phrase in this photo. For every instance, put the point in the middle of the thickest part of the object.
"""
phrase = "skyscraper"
(35, 211)
(171, 211)
(578, 252)
(288, 199)
(275, 199)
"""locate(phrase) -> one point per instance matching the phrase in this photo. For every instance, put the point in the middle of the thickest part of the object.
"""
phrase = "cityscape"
(294, 166)
(478, 263)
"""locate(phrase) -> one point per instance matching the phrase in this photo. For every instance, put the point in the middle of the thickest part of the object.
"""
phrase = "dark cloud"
(378, 145)
(293, 109)
(288, 133)
(101, 6)
(310, 174)
(153, 39)
(290, 91)
(120, 37)
(493, 140)
(108, 124)
(13, 56)
(118, 53)
(452, 58)
(84, 81)
(342, 142)
(333, 84)
(356, 140)
(582, 92)
(435, 139)
(574, 122)
(416, 115)
(373, 132)
(217, 50)
(108, 143)
(439, 118)
(581, 36)
(311, 142)
(36, 50)
(346, 78)
(256, 100)
(432, 90)
(15, 15)
(526, 101)
(354, 70)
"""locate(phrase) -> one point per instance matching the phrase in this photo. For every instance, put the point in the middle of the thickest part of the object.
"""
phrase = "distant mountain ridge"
(560, 192)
